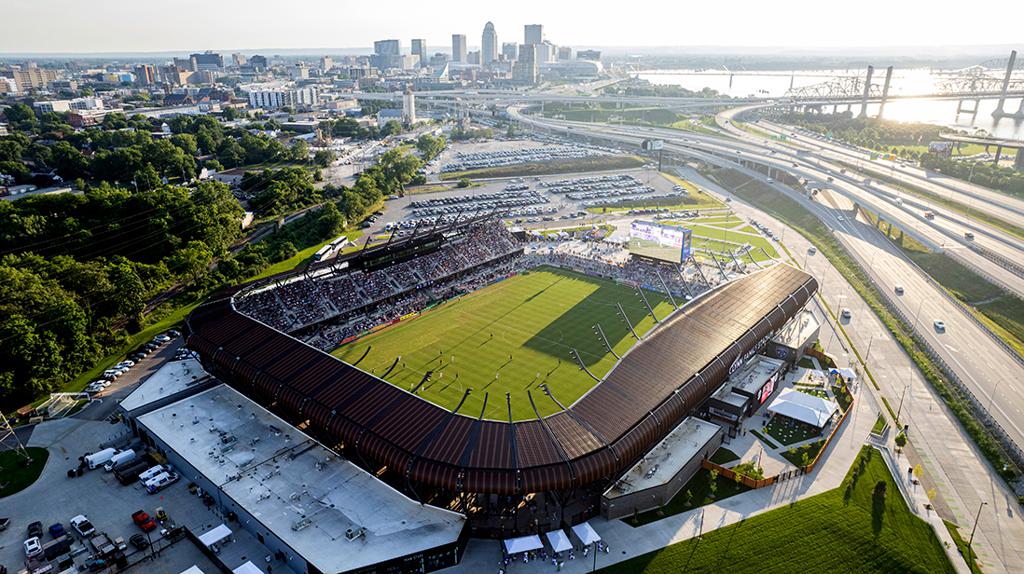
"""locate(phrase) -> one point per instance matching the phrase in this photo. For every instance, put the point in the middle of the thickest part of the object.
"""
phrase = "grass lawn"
(854, 528)
(788, 431)
(579, 165)
(724, 456)
(696, 492)
(536, 318)
(303, 256)
(796, 454)
(879, 424)
(764, 439)
(17, 475)
(961, 546)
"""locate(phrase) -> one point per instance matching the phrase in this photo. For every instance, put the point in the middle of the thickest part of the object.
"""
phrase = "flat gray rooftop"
(173, 377)
(666, 459)
(798, 329)
(335, 515)
(754, 374)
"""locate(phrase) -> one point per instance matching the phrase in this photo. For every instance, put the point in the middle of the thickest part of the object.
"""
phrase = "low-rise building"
(317, 511)
(273, 96)
(663, 471)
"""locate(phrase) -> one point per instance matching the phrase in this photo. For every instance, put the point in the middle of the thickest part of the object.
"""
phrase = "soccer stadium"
(486, 374)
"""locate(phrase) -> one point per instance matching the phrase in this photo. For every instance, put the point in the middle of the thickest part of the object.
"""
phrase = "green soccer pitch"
(511, 337)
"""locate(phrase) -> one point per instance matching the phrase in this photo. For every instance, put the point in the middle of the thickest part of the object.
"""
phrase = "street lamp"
(900, 408)
(970, 547)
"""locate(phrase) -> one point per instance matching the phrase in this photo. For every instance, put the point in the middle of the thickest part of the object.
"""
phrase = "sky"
(127, 26)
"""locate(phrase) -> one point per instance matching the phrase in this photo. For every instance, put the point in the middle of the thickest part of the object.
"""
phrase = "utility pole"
(900, 408)
(970, 543)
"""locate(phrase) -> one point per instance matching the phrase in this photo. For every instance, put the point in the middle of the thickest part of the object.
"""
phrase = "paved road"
(974, 354)
(962, 476)
(960, 473)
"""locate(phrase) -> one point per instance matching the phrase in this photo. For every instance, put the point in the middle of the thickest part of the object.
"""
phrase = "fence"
(770, 480)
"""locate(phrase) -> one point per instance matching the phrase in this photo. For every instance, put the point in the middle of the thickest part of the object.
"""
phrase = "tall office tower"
(387, 48)
(419, 48)
(386, 54)
(145, 74)
(326, 63)
(206, 62)
(459, 48)
(525, 70)
(564, 53)
(533, 34)
(510, 51)
(239, 59)
(488, 45)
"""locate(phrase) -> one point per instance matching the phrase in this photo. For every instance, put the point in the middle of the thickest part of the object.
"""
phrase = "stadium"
(480, 374)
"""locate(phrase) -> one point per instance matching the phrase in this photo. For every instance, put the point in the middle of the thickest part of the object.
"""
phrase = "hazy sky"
(179, 25)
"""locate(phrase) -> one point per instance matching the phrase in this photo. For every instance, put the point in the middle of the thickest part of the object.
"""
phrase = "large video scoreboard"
(664, 242)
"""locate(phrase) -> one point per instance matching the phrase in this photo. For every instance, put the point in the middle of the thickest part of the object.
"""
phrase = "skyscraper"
(459, 48)
(510, 50)
(525, 70)
(419, 48)
(533, 34)
(488, 45)
(387, 48)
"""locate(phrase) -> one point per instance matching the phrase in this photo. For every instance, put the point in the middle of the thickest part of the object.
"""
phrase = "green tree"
(324, 158)
(299, 151)
(192, 260)
(186, 142)
(147, 178)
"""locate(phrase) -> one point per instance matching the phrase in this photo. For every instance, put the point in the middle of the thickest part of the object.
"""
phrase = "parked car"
(160, 482)
(153, 471)
(144, 521)
(32, 547)
(139, 541)
(35, 529)
(82, 525)
(57, 530)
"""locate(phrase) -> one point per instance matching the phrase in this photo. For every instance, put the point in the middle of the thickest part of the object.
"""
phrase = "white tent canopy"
(218, 533)
(558, 540)
(803, 407)
(247, 568)
(523, 544)
(586, 533)
(193, 570)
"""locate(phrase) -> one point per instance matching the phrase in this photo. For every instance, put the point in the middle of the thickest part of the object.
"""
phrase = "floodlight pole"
(622, 313)
(650, 309)
(607, 345)
(667, 290)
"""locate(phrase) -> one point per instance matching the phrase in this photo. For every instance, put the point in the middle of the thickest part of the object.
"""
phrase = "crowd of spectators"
(305, 301)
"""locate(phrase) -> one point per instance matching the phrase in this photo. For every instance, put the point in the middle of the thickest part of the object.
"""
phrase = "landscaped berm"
(511, 337)
(863, 526)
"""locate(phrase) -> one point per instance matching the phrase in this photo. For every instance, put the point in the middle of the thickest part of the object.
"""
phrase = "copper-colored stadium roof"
(652, 388)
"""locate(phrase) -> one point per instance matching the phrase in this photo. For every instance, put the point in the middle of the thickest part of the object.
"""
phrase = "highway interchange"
(985, 365)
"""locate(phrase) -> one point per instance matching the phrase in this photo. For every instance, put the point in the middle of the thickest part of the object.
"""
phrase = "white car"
(846, 314)
(940, 326)
(33, 547)
(82, 525)
(126, 363)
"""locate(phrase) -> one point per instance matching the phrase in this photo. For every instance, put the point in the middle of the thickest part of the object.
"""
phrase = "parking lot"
(525, 200)
(109, 505)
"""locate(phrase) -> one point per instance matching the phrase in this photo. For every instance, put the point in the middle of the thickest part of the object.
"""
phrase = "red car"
(143, 521)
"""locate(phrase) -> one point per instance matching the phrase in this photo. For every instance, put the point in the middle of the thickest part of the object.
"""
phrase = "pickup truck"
(102, 544)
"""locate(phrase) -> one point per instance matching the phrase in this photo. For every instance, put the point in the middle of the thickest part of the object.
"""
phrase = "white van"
(122, 457)
(160, 481)
(100, 458)
(151, 472)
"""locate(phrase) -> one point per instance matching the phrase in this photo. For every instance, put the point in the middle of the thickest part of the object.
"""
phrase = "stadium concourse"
(507, 476)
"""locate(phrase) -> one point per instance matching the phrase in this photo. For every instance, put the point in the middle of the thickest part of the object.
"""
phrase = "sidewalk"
(628, 542)
(963, 477)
